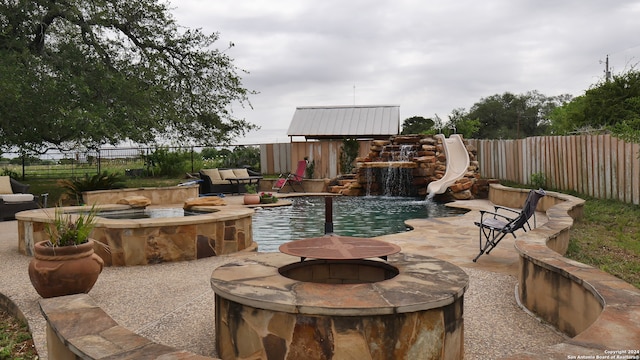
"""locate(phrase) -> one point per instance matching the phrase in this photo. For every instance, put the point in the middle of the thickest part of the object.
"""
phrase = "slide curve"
(457, 164)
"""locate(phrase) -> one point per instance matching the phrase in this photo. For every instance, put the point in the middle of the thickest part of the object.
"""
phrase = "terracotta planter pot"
(65, 270)
(251, 199)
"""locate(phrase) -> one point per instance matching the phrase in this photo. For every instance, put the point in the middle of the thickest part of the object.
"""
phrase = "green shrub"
(538, 180)
(173, 163)
(311, 169)
(348, 155)
(8, 172)
(104, 181)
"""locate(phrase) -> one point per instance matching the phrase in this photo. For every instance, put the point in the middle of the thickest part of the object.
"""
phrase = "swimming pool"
(360, 216)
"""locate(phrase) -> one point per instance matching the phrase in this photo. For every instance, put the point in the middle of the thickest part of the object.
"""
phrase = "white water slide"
(457, 164)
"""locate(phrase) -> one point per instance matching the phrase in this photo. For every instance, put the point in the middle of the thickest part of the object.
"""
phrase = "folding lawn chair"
(291, 178)
(494, 227)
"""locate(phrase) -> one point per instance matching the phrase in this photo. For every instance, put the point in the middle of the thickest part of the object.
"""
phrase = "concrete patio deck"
(172, 303)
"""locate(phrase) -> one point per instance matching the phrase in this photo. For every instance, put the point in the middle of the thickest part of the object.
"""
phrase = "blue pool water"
(366, 216)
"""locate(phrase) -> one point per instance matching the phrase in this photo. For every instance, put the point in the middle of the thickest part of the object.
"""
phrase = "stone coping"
(157, 195)
(423, 283)
(210, 214)
(615, 322)
(77, 327)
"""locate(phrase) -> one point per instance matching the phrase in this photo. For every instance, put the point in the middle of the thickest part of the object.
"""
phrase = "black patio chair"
(9, 208)
(494, 226)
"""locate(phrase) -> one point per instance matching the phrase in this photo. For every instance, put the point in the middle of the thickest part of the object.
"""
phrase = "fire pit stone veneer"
(414, 313)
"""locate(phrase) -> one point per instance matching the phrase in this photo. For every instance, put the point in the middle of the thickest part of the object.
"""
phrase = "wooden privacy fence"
(283, 157)
(601, 166)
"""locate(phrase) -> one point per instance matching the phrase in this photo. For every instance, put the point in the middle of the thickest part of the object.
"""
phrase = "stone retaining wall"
(599, 311)
(78, 329)
(157, 195)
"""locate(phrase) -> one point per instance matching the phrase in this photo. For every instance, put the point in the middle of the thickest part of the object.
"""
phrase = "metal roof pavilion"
(338, 122)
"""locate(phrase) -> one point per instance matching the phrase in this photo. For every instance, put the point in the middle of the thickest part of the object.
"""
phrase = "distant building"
(340, 122)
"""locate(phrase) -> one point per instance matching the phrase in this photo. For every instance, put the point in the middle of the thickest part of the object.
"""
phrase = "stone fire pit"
(272, 305)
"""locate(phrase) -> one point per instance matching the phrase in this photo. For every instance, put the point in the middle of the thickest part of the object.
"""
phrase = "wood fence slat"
(572, 185)
(589, 165)
(621, 171)
(526, 161)
(635, 173)
(552, 152)
(608, 165)
(566, 162)
(628, 170)
(615, 168)
(509, 159)
(601, 168)
(531, 158)
(520, 159)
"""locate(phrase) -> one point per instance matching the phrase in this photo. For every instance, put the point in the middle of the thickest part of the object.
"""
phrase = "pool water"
(360, 216)
(146, 213)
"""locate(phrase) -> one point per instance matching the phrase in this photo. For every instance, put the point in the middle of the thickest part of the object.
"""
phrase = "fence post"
(192, 159)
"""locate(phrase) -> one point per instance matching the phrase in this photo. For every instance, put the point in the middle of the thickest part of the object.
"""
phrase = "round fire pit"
(272, 305)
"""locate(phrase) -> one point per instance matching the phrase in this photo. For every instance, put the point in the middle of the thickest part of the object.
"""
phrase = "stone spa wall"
(126, 242)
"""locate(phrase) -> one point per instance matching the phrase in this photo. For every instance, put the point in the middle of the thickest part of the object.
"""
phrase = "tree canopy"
(102, 71)
(612, 105)
(511, 116)
(416, 125)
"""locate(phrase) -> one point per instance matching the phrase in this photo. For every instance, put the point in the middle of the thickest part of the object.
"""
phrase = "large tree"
(91, 72)
(612, 105)
(511, 116)
(416, 125)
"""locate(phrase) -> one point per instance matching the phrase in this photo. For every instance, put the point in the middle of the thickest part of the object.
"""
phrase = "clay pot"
(64, 270)
(251, 199)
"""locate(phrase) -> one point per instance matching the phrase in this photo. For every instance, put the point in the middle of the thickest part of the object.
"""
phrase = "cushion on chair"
(241, 173)
(5, 185)
(17, 198)
(227, 174)
(214, 174)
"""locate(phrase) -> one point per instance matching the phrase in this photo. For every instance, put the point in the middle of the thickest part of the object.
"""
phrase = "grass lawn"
(608, 237)
(15, 339)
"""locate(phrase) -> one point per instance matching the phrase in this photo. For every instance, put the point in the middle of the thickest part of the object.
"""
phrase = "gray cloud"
(427, 56)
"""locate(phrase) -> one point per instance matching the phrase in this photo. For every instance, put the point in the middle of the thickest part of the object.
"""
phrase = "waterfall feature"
(405, 165)
(397, 181)
(370, 178)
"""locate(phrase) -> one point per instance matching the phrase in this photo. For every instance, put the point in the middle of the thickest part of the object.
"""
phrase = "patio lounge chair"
(293, 179)
(494, 226)
(15, 197)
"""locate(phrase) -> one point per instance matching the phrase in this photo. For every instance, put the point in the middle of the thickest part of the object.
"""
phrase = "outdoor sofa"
(227, 181)
(15, 197)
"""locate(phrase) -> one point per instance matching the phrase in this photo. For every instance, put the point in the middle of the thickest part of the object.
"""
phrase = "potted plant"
(251, 197)
(267, 198)
(66, 263)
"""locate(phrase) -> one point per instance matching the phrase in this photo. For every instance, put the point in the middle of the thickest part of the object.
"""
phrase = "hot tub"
(125, 240)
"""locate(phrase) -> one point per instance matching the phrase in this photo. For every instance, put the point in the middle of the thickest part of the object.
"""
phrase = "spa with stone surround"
(145, 241)
(272, 305)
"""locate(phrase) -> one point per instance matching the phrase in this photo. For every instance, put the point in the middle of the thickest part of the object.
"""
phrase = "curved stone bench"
(78, 328)
(600, 312)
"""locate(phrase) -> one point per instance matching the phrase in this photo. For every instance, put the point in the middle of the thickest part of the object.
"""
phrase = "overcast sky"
(429, 57)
